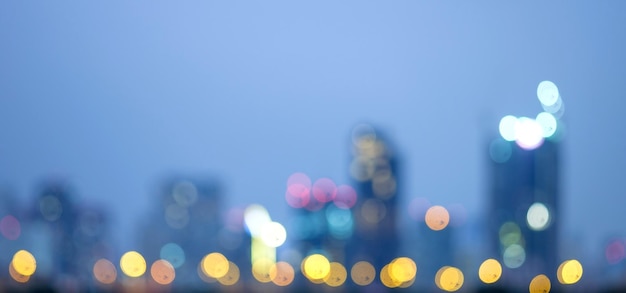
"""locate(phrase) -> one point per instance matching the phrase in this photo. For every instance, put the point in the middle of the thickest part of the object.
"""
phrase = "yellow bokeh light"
(24, 263)
(282, 273)
(539, 284)
(569, 272)
(104, 271)
(449, 279)
(232, 276)
(437, 218)
(17, 276)
(261, 270)
(133, 264)
(363, 273)
(203, 275)
(337, 275)
(215, 265)
(387, 280)
(162, 272)
(402, 269)
(490, 271)
(407, 284)
(316, 266)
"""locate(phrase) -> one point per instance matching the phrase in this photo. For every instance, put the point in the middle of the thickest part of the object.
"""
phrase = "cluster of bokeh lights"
(530, 133)
(316, 268)
(302, 194)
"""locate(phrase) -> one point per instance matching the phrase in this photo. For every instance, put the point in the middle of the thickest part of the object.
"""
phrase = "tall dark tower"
(374, 171)
(524, 208)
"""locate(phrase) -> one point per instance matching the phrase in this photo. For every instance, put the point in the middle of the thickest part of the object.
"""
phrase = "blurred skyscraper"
(67, 236)
(524, 209)
(188, 223)
(374, 170)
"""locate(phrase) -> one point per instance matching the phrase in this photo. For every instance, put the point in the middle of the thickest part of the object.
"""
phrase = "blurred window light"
(538, 216)
(297, 196)
(50, 208)
(24, 263)
(10, 227)
(176, 216)
(316, 267)
(437, 218)
(384, 184)
(615, 251)
(539, 284)
(547, 93)
(173, 253)
(388, 279)
(261, 269)
(500, 150)
(282, 273)
(557, 109)
(373, 211)
(20, 278)
(185, 194)
(273, 234)
(362, 168)
(104, 271)
(547, 122)
(514, 256)
(337, 275)
(528, 133)
(162, 272)
(255, 217)
(298, 190)
(509, 234)
(133, 264)
(569, 272)
(215, 265)
(340, 222)
(490, 271)
(402, 269)
(507, 127)
(232, 275)
(324, 190)
(363, 273)
(449, 279)
(346, 197)
(300, 179)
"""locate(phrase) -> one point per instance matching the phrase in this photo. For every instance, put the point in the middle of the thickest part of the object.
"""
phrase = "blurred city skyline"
(113, 98)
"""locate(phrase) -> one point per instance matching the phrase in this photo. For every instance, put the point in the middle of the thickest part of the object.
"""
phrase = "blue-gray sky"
(114, 95)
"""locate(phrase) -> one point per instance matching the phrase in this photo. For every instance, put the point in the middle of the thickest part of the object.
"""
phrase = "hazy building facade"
(374, 171)
(524, 209)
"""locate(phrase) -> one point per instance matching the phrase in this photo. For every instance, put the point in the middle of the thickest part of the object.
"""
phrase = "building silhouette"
(524, 209)
(374, 172)
(186, 223)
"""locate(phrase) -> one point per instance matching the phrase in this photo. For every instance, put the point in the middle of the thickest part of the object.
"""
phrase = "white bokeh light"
(528, 133)
(548, 93)
(273, 234)
(548, 123)
(538, 216)
(255, 217)
(507, 127)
